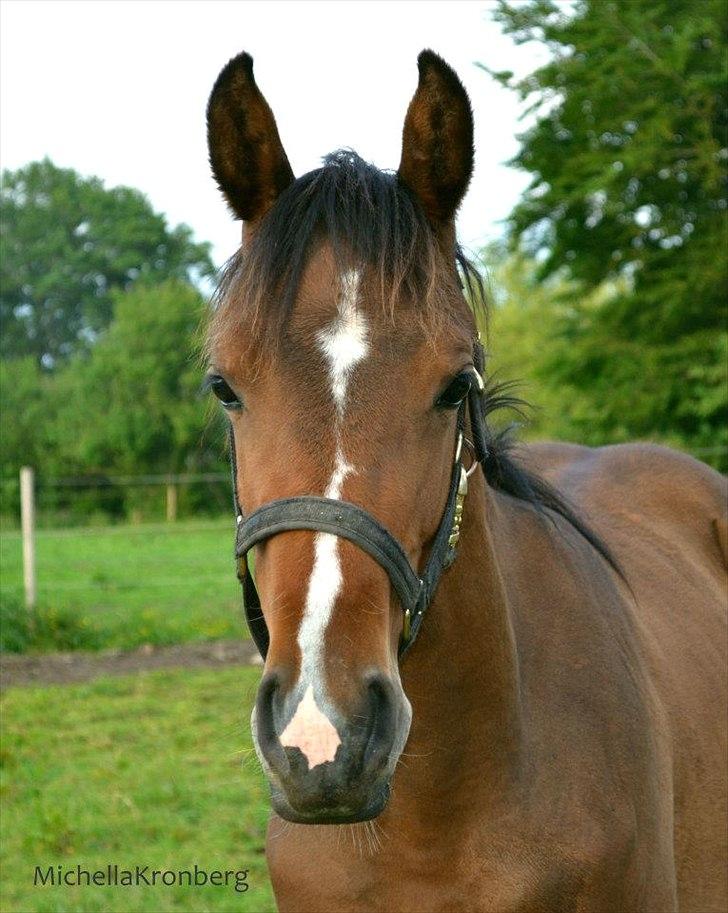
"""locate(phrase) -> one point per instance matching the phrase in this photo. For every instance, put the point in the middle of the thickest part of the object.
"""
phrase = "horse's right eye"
(223, 392)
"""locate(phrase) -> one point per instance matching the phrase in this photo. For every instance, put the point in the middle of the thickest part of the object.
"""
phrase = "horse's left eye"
(456, 391)
(223, 392)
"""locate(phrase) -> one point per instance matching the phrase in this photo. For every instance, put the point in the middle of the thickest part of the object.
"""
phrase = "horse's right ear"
(246, 155)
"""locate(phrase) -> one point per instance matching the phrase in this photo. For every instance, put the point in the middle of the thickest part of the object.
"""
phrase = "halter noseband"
(349, 521)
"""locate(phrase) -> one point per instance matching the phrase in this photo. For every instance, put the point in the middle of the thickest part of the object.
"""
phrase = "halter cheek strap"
(353, 523)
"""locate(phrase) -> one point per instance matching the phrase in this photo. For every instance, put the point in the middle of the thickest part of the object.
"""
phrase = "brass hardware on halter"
(459, 502)
(406, 625)
(242, 567)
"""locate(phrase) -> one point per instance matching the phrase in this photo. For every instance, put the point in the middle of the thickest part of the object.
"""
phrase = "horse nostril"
(383, 715)
(267, 737)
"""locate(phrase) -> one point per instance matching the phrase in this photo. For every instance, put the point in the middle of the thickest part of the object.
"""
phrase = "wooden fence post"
(27, 521)
(171, 502)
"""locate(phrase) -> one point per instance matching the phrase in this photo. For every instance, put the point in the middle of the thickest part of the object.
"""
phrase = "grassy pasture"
(123, 586)
(154, 769)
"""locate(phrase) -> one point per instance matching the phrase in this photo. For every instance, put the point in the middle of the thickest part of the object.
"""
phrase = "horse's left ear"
(437, 141)
(246, 153)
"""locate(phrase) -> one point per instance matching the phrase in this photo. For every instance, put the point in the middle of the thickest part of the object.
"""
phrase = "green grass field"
(154, 770)
(129, 585)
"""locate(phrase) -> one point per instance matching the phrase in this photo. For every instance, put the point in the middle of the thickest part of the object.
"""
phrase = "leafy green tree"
(133, 405)
(628, 153)
(130, 406)
(522, 327)
(529, 345)
(66, 243)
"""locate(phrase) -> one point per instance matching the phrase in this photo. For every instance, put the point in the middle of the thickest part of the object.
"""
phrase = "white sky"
(118, 89)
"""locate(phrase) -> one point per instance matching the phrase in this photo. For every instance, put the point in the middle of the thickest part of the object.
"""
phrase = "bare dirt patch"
(77, 666)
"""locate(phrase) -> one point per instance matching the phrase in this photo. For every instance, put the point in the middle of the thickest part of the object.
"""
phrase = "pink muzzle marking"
(312, 732)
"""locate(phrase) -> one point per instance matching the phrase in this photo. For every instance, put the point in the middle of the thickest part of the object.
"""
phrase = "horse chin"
(372, 806)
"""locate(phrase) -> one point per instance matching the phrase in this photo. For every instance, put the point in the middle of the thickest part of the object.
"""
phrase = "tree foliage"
(628, 152)
(134, 405)
(66, 244)
(530, 344)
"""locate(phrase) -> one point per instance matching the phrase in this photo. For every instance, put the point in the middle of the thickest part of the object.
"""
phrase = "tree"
(66, 243)
(628, 156)
(133, 405)
(529, 344)
(522, 327)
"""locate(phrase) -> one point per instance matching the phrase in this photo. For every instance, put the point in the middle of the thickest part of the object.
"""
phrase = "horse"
(495, 674)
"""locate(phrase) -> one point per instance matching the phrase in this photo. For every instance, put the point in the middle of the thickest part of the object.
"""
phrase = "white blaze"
(344, 344)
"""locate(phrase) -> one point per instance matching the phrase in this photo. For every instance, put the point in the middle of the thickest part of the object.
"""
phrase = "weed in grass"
(43, 628)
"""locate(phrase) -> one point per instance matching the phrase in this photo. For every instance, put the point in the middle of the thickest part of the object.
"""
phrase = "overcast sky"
(118, 89)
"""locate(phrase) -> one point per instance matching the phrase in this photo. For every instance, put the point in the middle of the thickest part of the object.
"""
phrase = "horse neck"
(462, 675)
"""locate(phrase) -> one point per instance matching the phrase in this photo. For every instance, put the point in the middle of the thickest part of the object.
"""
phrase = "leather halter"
(352, 522)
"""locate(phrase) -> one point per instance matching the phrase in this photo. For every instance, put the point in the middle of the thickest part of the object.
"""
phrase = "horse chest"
(492, 872)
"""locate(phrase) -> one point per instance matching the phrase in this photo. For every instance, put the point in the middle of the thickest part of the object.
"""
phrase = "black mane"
(370, 217)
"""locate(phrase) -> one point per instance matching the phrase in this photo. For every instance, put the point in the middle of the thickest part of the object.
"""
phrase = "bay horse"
(555, 738)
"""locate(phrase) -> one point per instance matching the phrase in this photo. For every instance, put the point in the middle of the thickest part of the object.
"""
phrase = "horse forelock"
(370, 221)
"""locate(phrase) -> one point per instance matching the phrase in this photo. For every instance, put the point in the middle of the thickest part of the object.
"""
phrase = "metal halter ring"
(470, 447)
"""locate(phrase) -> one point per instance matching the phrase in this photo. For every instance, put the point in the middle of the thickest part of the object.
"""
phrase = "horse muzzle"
(324, 767)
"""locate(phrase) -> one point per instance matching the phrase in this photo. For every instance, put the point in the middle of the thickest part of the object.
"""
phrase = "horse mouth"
(336, 812)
